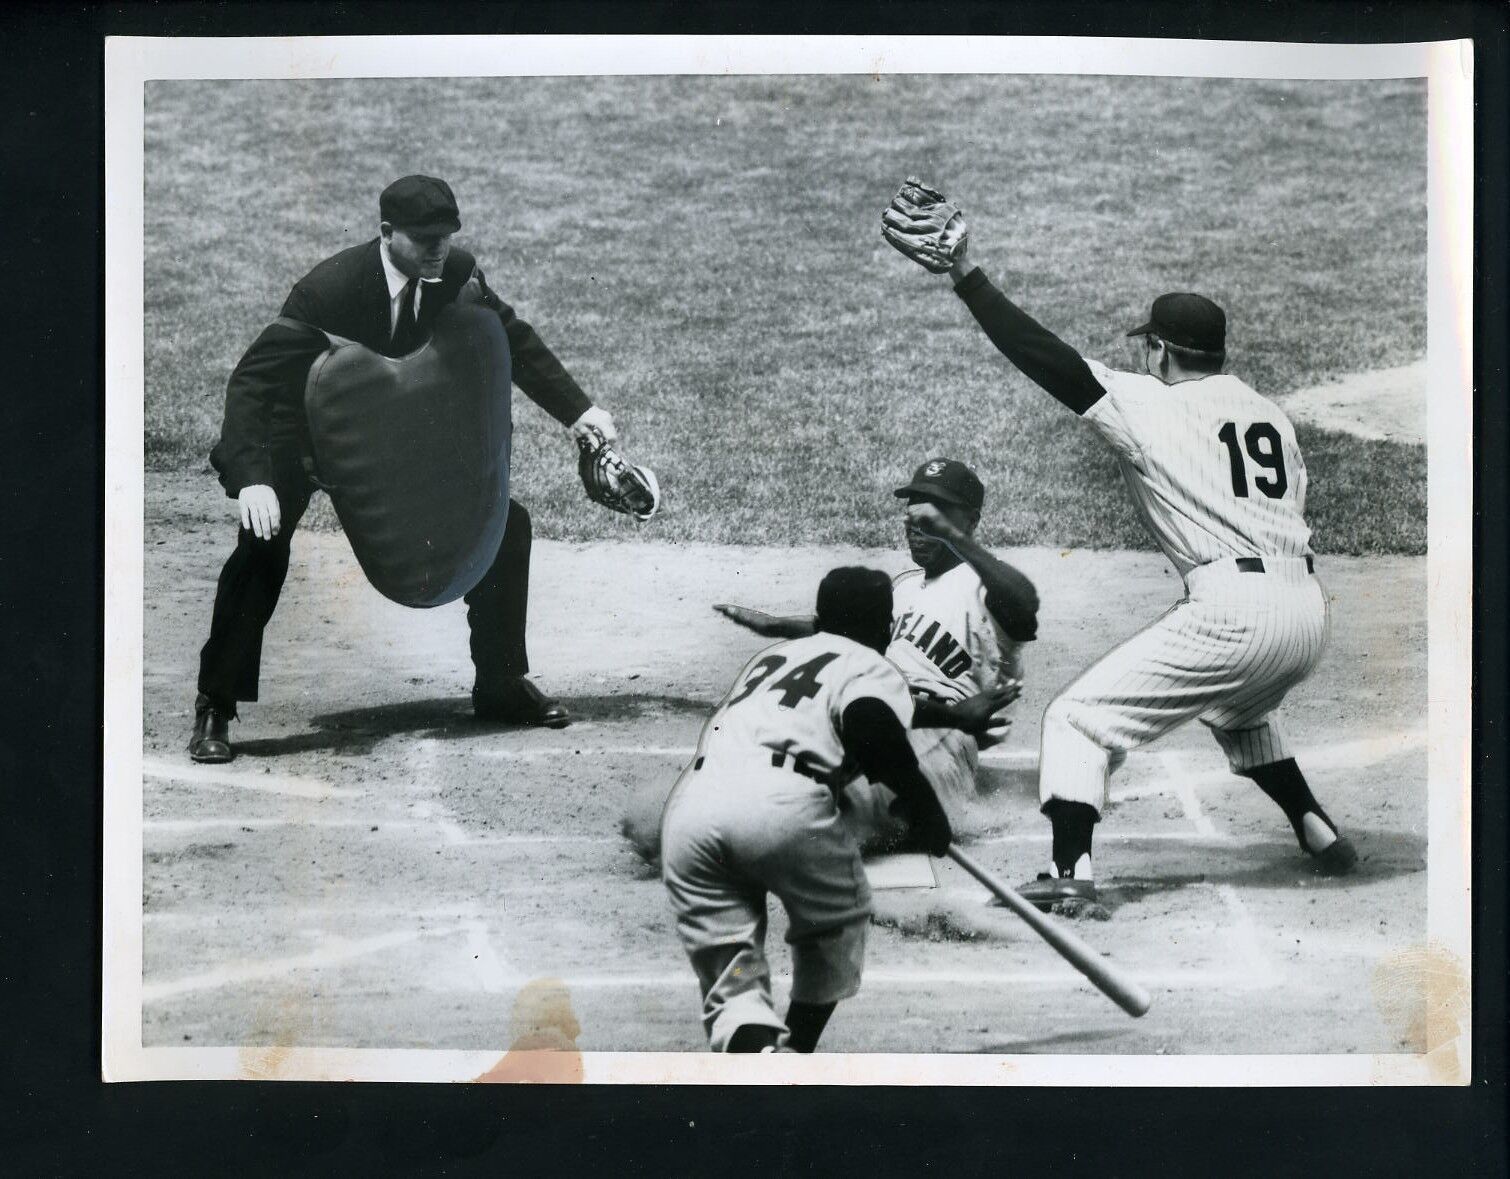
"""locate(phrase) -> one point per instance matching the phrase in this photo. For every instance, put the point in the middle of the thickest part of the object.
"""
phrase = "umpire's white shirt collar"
(397, 281)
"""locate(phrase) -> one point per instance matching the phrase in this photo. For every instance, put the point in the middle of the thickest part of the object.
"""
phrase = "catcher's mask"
(855, 602)
(613, 482)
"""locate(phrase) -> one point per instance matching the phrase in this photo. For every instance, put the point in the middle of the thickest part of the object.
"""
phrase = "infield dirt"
(376, 869)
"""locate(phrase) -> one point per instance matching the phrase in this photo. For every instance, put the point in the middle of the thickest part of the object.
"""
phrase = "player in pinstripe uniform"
(1218, 479)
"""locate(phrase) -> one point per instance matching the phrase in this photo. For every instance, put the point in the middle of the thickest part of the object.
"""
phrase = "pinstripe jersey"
(1213, 467)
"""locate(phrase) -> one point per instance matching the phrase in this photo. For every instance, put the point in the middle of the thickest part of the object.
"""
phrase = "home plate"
(906, 870)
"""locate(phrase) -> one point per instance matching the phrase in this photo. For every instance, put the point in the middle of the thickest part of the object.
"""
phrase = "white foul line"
(494, 975)
(928, 978)
(1246, 935)
(453, 834)
(252, 825)
(1014, 757)
(1105, 837)
(269, 783)
(1177, 780)
(566, 751)
(328, 953)
(1353, 754)
(1241, 925)
(450, 832)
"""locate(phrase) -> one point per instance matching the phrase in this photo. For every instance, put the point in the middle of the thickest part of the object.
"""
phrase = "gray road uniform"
(755, 813)
(949, 647)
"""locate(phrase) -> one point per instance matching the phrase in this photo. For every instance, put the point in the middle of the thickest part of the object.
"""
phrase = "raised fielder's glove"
(921, 223)
(612, 482)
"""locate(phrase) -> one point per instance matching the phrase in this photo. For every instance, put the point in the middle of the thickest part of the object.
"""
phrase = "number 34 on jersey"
(791, 697)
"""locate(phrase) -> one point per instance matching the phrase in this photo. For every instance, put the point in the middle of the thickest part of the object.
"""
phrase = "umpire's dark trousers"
(253, 577)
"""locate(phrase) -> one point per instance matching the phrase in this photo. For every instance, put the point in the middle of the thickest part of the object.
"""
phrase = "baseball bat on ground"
(1120, 989)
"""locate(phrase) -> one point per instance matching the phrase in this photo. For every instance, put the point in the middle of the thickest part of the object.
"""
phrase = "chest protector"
(414, 453)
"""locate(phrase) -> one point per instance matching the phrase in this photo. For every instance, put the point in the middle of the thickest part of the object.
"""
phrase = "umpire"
(383, 294)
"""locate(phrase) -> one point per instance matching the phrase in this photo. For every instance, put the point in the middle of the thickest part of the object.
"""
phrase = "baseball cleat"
(1338, 858)
(1048, 891)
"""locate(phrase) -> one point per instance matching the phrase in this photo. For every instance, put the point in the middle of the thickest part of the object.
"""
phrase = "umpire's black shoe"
(211, 741)
(517, 701)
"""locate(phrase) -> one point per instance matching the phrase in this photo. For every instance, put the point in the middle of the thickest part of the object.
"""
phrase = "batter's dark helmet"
(855, 602)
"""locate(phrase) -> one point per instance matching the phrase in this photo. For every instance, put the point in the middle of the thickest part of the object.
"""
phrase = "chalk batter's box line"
(1353, 755)
(1010, 758)
(252, 826)
(495, 976)
(1177, 772)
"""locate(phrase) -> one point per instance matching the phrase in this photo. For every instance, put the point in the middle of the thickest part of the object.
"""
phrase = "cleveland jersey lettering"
(941, 647)
(1213, 467)
(944, 639)
(790, 698)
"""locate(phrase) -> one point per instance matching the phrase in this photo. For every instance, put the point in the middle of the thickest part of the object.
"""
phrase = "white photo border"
(1448, 68)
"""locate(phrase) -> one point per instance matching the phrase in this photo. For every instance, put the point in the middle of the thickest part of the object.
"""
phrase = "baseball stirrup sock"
(1286, 785)
(806, 1022)
(1073, 823)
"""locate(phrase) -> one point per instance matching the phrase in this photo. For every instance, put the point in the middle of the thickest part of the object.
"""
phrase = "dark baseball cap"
(948, 480)
(420, 203)
(1186, 321)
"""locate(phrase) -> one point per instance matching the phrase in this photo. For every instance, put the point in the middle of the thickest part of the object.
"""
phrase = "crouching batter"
(755, 813)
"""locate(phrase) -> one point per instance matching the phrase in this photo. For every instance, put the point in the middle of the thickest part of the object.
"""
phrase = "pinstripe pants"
(1225, 654)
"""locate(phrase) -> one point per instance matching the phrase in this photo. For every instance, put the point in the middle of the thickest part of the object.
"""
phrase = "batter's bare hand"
(976, 714)
(928, 520)
(260, 514)
(595, 417)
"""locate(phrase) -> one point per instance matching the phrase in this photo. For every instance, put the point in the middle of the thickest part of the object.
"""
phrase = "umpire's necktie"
(406, 334)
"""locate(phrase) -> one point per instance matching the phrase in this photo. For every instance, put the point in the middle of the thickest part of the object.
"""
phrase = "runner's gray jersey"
(943, 637)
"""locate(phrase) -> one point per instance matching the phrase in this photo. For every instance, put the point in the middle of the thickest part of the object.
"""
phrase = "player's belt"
(1256, 565)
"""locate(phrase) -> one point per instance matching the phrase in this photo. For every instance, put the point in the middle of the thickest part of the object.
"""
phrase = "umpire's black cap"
(855, 602)
(420, 203)
(1186, 321)
(948, 480)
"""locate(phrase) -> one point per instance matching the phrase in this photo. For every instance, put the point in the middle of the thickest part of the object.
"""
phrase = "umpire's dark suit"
(263, 441)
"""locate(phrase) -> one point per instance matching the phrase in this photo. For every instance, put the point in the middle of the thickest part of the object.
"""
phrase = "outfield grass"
(704, 254)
